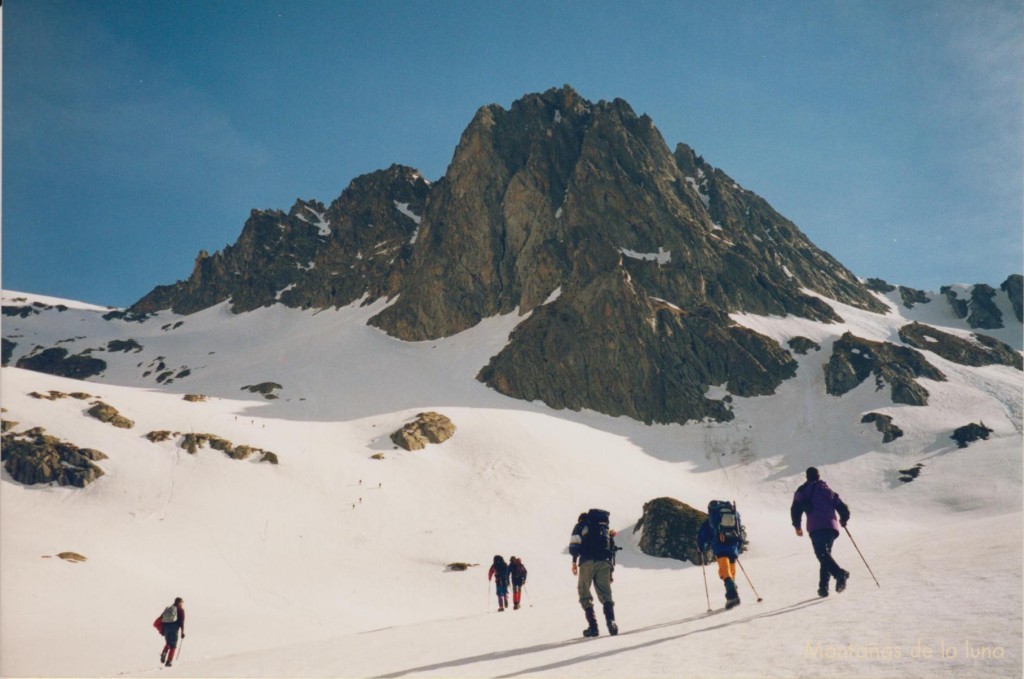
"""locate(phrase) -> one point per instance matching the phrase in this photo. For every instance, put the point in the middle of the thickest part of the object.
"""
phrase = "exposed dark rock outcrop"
(983, 310)
(980, 310)
(267, 389)
(911, 297)
(854, 359)
(427, 428)
(878, 285)
(8, 347)
(34, 457)
(803, 345)
(969, 433)
(984, 350)
(1013, 286)
(314, 256)
(124, 345)
(883, 423)
(56, 361)
(193, 441)
(908, 475)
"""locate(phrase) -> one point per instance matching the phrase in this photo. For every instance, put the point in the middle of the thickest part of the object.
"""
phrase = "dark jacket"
(706, 538)
(517, 571)
(579, 548)
(499, 571)
(821, 504)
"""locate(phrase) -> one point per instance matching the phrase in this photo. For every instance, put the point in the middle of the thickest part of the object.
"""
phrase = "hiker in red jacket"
(172, 620)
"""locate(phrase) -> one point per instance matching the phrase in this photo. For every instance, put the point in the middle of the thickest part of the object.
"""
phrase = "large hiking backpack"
(596, 537)
(725, 522)
(170, 614)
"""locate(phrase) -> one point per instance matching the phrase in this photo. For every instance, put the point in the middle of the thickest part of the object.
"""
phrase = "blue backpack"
(725, 522)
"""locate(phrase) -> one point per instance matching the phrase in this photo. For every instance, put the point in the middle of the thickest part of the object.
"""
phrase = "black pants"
(822, 541)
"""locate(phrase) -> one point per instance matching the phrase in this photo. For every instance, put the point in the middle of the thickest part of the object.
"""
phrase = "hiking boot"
(823, 591)
(732, 603)
(609, 618)
(515, 606)
(591, 631)
(841, 580)
(163, 656)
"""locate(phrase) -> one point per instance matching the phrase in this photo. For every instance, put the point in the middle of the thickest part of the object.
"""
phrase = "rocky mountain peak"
(575, 214)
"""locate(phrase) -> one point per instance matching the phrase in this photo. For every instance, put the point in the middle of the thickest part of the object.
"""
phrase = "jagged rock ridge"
(626, 257)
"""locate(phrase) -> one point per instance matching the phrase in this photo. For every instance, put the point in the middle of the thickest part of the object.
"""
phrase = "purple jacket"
(820, 503)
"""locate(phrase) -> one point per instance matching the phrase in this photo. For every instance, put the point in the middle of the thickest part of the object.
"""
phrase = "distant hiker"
(499, 571)
(593, 545)
(821, 503)
(721, 533)
(517, 573)
(169, 623)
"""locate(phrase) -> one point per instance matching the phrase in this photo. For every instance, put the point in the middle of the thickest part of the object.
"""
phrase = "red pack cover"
(159, 624)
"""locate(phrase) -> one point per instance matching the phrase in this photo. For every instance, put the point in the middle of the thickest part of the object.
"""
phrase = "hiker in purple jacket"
(821, 504)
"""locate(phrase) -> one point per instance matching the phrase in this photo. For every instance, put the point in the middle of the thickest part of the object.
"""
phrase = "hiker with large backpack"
(169, 623)
(593, 545)
(499, 571)
(821, 504)
(517, 574)
(722, 533)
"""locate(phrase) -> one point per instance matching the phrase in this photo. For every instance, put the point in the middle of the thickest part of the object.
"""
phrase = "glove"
(843, 524)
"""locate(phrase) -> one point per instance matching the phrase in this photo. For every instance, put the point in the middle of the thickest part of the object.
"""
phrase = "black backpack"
(725, 522)
(596, 537)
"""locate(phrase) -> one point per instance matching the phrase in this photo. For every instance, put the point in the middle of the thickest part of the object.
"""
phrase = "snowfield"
(334, 564)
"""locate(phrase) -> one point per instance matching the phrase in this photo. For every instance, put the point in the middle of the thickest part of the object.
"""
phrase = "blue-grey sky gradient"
(137, 133)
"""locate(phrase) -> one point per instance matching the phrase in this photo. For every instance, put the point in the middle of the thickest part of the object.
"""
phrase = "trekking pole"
(704, 570)
(759, 599)
(527, 593)
(862, 556)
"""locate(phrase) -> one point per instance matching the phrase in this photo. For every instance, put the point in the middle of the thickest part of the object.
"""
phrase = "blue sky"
(137, 133)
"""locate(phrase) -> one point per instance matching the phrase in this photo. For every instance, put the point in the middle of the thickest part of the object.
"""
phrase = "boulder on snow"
(670, 531)
(970, 433)
(883, 423)
(33, 457)
(429, 427)
(108, 413)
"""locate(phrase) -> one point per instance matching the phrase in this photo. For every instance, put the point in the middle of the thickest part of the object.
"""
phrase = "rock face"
(627, 254)
(427, 428)
(980, 309)
(984, 350)
(1013, 286)
(34, 457)
(854, 359)
(313, 256)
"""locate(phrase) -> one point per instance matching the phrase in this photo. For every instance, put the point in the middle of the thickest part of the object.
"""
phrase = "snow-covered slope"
(333, 563)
